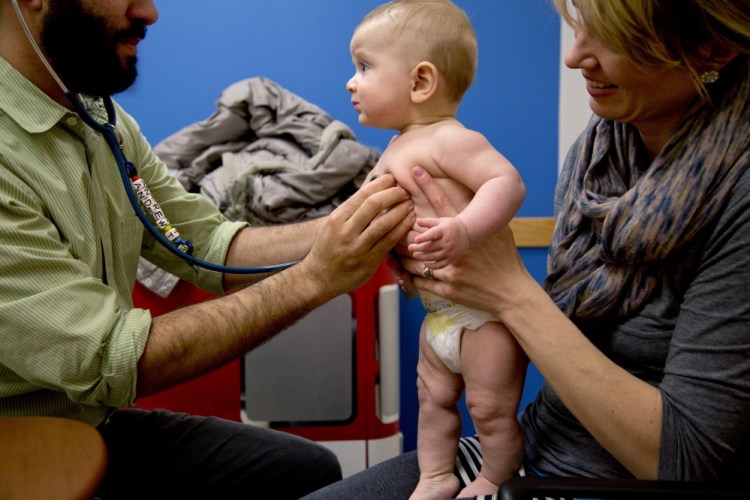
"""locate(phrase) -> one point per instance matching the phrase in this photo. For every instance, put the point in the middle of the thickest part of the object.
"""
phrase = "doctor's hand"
(359, 234)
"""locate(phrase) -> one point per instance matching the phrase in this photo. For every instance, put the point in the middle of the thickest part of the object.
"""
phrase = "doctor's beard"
(82, 48)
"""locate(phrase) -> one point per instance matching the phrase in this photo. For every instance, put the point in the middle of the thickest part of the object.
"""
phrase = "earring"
(709, 76)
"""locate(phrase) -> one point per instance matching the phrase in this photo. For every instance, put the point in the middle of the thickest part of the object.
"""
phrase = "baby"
(414, 60)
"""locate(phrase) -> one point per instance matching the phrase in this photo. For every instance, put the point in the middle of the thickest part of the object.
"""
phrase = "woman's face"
(654, 100)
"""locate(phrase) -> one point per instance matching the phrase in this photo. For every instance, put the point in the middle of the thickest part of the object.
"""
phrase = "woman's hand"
(443, 208)
(444, 240)
(490, 277)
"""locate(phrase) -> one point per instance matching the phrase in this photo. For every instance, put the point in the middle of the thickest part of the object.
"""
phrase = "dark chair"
(527, 488)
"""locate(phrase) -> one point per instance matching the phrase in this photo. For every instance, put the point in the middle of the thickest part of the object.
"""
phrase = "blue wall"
(198, 48)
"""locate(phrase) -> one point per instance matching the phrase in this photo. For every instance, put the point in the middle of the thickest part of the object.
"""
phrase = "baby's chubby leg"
(439, 425)
(494, 369)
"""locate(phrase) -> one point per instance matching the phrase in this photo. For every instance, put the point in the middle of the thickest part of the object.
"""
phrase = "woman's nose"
(580, 55)
(585, 51)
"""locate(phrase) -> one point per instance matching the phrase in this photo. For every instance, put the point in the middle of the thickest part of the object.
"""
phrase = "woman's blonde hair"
(439, 32)
(664, 33)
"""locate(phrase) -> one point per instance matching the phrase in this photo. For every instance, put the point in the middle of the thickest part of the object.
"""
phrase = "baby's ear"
(424, 82)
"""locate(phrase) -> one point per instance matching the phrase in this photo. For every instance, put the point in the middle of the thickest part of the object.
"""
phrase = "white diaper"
(444, 324)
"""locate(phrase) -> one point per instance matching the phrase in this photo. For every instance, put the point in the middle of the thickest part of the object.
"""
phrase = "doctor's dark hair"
(666, 33)
(437, 31)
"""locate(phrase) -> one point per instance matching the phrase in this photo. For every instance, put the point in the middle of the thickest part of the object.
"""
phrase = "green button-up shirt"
(70, 338)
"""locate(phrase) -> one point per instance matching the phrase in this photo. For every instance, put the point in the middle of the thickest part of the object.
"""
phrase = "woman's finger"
(435, 195)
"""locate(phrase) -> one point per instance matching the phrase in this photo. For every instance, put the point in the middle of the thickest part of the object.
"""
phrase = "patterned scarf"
(618, 221)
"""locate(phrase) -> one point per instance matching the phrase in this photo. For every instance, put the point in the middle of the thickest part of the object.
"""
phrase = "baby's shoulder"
(409, 150)
(454, 132)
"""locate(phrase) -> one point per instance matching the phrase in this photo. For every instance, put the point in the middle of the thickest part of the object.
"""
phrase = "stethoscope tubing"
(108, 132)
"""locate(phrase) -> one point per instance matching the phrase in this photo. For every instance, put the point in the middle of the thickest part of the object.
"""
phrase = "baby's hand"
(445, 240)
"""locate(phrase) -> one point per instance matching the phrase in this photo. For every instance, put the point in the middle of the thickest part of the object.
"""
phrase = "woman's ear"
(715, 56)
(424, 82)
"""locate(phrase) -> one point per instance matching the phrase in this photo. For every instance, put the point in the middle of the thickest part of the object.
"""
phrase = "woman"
(642, 329)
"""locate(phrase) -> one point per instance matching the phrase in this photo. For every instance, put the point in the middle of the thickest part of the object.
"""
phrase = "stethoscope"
(135, 187)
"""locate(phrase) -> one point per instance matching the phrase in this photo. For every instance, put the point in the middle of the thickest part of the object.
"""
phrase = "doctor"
(71, 343)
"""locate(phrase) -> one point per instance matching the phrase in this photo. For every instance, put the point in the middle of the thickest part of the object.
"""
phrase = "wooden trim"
(532, 231)
(47, 457)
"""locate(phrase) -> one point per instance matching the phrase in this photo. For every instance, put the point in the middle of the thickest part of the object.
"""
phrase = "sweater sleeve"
(706, 384)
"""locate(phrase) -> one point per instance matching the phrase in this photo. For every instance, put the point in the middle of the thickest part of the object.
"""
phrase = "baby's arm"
(499, 192)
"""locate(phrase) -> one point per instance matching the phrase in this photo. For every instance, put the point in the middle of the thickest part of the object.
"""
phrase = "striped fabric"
(469, 463)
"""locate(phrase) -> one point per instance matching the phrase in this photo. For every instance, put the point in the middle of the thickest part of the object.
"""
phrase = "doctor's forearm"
(263, 246)
(189, 342)
(353, 241)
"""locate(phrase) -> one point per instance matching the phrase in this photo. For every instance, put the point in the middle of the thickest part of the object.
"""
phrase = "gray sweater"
(692, 341)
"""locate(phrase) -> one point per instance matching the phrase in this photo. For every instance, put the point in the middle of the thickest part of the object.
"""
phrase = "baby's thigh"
(435, 381)
(492, 363)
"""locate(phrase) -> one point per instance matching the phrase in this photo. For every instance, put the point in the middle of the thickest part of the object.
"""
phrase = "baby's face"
(381, 83)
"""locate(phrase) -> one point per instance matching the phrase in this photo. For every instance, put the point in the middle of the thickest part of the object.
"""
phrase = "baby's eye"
(363, 68)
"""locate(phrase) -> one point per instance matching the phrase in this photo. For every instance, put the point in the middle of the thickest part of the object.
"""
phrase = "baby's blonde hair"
(663, 33)
(439, 32)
